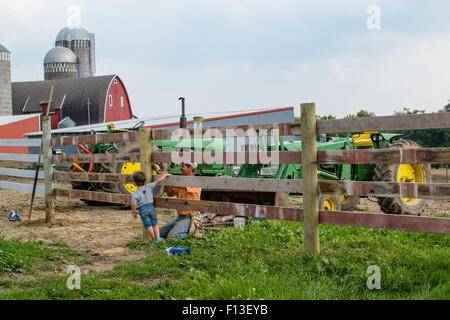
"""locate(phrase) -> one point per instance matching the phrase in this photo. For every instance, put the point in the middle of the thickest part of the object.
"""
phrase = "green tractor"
(370, 140)
(408, 173)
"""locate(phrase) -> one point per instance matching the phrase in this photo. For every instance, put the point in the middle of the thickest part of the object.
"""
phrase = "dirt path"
(102, 232)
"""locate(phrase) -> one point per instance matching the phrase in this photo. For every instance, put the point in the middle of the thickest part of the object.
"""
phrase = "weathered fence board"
(284, 129)
(20, 173)
(436, 191)
(93, 177)
(19, 157)
(98, 158)
(96, 138)
(20, 143)
(384, 156)
(94, 196)
(361, 156)
(21, 187)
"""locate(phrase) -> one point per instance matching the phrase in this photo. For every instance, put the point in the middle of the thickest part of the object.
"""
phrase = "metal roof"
(60, 54)
(70, 94)
(166, 122)
(69, 34)
(3, 49)
(11, 119)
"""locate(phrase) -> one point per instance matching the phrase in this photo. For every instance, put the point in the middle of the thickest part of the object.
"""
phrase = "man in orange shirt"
(179, 228)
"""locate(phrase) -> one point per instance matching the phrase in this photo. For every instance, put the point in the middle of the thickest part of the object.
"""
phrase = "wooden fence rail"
(363, 156)
(20, 173)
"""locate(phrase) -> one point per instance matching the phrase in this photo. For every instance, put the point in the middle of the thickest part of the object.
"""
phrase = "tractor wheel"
(414, 173)
(330, 203)
(349, 203)
(123, 168)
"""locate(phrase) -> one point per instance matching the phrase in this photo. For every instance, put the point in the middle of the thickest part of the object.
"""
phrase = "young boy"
(142, 199)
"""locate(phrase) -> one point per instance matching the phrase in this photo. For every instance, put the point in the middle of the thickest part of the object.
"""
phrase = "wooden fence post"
(48, 169)
(310, 180)
(145, 141)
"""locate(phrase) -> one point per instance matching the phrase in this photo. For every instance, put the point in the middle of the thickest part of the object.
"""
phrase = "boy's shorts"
(148, 215)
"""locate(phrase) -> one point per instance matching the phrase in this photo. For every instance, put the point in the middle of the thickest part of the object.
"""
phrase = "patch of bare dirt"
(102, 232)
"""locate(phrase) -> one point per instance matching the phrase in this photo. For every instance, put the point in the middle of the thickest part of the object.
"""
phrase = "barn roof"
(70, 95)
(3, 49)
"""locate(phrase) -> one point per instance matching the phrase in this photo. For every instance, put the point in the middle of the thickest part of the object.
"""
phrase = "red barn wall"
(117, 112)
(16, 130)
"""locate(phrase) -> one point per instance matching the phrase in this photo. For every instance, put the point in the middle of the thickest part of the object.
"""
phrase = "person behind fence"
(142, 199)
(182, 226)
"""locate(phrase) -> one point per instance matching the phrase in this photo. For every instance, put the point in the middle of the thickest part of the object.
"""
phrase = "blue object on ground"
(178, 251)
(14, 216)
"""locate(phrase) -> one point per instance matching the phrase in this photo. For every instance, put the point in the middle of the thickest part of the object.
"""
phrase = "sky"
(234, 55)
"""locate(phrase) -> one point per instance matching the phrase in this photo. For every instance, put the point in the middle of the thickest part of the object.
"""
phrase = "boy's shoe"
(12, 215)
(158, 240)
(17, 217)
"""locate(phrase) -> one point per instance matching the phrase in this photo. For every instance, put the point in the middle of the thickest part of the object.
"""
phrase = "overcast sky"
(226, 55)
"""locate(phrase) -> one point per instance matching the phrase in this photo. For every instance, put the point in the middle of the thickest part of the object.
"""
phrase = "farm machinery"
(409, 173)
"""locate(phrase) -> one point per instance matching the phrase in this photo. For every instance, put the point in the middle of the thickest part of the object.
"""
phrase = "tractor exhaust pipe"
(183, 119)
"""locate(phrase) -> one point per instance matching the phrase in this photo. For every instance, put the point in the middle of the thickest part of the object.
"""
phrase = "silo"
(5, 82)
(79, 41)
(60, 63)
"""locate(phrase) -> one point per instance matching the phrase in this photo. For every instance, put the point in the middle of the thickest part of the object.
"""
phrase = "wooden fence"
(310, 187)
(20, 173)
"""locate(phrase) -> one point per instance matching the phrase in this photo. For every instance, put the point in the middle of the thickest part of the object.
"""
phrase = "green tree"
(432, 138)
(360, 114)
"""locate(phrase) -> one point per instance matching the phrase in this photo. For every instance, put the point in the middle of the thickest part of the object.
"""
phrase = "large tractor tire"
(349, 203)
(409, 173)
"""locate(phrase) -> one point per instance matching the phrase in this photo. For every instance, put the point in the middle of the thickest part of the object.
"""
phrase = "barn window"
(121, 102)
(110, 101)
(115, 81)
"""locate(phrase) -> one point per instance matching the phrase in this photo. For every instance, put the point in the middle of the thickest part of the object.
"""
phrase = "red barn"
(14, 127)
(86, 101)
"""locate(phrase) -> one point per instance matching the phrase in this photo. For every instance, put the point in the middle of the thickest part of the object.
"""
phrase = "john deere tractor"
(408, 173)
(368, 140)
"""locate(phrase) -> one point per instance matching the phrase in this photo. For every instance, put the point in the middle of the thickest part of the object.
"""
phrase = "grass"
(29, 257)
(267, 260)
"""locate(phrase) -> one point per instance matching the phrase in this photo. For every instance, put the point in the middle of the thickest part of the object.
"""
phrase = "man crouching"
(179, 227)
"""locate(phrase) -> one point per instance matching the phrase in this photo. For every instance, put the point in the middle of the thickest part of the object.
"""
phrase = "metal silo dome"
(60, 54)
(3, 49)
(69, 34)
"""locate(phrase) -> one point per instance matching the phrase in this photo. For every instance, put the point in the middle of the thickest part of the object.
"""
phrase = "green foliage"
(16, 256)
(360, 114)
(432, 138)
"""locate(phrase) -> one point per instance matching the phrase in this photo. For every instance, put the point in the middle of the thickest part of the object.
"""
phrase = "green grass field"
(265, 260)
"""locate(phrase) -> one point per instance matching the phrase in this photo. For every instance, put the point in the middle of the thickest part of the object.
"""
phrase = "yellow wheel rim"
(411, 173)
(130, 168)
(329, 204)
